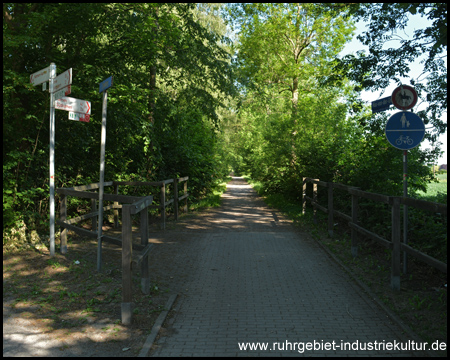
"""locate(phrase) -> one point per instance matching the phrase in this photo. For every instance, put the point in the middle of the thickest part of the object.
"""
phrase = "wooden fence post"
(145, 278)
(354, 233)
(63, 217)
(175, 198)
(330, 209)
(185, 210)
(116, 212)
(162, 199)
(127, 311)
(94, 219)
(314, 202)
(396, 234)
(304, 197)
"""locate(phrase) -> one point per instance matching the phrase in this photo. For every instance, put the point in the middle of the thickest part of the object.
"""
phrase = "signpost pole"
(52, 160)
(405, 210)
(104, 85)
(102, 179)
(405, 130)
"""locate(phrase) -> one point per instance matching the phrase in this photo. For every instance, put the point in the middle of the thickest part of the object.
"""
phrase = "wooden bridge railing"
(395, 245)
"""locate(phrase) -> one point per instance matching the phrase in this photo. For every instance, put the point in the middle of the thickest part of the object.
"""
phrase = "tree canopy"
(171, 76)
(386, 62)
(277, 102)
(331, 134)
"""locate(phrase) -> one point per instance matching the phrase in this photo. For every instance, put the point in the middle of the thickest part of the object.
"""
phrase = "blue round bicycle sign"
(405, 130)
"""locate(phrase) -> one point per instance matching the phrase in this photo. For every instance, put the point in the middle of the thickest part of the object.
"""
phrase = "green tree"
(284, 52)
(288, 46)
(386, 62)
(171, 75)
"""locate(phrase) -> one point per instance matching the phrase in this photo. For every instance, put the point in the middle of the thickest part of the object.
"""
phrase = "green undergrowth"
(213, 199)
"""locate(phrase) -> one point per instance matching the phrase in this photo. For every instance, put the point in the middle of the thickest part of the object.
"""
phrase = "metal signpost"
(104, 86)
(405, 130)
(52, 161)
(59, 87)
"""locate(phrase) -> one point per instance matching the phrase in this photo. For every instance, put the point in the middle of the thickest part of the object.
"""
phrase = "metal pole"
(405, 210)
(52, 159)
(102, 178)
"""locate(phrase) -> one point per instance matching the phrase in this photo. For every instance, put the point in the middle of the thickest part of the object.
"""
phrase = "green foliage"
(302, 116)
(174, 109)
(390, 55)
(171, 76)
(317, 127)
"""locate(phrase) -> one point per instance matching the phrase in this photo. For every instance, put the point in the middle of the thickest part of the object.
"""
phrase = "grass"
(435, 188)
(211, 200)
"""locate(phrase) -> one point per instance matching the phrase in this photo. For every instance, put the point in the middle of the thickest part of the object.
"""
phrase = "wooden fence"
(163, 185)
(395, 245)
(131, 205)
(128, 264)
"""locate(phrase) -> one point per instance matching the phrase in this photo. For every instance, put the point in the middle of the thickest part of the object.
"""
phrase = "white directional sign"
(40, 76)
(62, 80)
(63, 92)
(79, 117)
(74, 105)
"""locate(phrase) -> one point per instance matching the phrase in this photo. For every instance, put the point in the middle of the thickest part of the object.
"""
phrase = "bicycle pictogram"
(404, 140)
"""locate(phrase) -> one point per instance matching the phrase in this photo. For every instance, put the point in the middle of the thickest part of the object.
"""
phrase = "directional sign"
(405, 130)
(79, 117)
(381, 104)
(63, 92)
(75, 105)
(105, 84)
(40, 76)
(62, 80)
(404, 97)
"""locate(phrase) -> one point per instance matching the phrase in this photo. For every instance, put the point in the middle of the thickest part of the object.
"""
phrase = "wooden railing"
(131, 205)
(128, 264)
(162, 203)
(395, 245)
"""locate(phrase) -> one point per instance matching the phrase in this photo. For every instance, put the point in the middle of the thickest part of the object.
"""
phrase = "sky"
(415, 22)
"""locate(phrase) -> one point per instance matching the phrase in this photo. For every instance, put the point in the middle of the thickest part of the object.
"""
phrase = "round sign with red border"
(404, 97)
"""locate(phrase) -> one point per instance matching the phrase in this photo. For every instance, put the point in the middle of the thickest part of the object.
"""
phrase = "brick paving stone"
(257, 279)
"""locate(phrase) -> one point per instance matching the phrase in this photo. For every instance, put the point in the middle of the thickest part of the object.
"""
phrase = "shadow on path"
(253, 278)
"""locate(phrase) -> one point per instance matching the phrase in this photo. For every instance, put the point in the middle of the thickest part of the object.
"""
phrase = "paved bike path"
(259, 280)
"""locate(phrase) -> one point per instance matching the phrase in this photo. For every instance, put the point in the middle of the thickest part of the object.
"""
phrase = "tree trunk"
(152, 94)
(151, 118)
(295, 94)
(294, 120)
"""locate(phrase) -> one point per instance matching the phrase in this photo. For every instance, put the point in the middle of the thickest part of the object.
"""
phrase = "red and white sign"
(79, 117)
(404, 97)
(40, 76)
(62, 80)
(74, 105)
